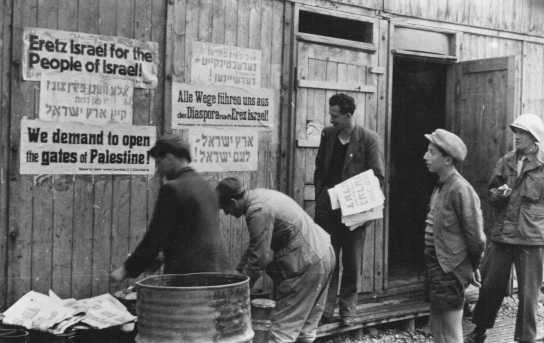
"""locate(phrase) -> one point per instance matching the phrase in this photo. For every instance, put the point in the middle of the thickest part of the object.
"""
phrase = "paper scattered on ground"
(50, 313)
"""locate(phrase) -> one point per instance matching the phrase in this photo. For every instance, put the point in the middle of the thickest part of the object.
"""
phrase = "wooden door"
(322, 71)
(482, 99)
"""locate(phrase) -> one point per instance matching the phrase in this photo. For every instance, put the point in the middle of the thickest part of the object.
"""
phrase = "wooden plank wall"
(5, 52)
(523, 16)
(532, 89)
(70, 231)
(256, 24)
(375, 4)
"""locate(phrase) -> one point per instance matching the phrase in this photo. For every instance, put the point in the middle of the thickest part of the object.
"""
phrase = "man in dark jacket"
(517, 235)
(185, 222)
(345, 150)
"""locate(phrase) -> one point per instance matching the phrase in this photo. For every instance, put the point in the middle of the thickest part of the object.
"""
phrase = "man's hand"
(502, 192)
(119, 274)
(476, 278)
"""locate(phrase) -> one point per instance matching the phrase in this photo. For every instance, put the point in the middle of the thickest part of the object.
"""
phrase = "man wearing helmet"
(516, 191)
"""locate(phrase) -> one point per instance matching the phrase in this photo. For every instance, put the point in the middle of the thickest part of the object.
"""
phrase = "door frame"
(451, 58)
(378, 50)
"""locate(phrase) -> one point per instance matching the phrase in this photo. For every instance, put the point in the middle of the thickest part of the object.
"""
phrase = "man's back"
(197, 243)
(185, 226)
(293, 227)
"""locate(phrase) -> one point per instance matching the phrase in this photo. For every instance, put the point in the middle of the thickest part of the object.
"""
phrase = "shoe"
(326, 320)
(348, 321)
(475, 337)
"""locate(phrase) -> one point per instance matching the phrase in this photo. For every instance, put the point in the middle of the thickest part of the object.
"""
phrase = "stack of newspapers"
(49, 313)
(359, 198)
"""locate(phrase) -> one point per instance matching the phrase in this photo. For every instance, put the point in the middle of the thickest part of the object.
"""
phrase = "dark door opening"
(419, 96)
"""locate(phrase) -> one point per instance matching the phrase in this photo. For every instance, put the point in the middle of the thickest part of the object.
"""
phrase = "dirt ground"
(388, 334)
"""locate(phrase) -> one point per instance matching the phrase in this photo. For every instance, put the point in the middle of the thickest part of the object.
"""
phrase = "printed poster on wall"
(225, 64)
(227, 149)
(78, 148)
(87, 99)
(221, 106)
(54, 51)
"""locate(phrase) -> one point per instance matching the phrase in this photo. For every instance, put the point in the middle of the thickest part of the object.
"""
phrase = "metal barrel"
(194, 308)
(13, 335)
(261, 309)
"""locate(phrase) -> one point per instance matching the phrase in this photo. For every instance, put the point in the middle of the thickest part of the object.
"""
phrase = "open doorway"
(418, 107)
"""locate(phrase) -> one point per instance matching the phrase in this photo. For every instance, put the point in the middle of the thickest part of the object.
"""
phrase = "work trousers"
(528, 263)
(300, 302)
(350, 245)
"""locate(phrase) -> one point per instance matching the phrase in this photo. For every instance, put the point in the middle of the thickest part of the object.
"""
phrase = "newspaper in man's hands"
(359, 198)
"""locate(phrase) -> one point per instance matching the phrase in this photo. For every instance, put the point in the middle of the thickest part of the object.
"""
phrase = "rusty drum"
(198, 308)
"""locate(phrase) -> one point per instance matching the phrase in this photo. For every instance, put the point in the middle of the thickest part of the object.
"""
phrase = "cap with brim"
(452, 144)
(171, 144)
(228, 188)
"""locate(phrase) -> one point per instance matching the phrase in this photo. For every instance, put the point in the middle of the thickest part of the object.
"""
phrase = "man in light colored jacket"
(294, 251)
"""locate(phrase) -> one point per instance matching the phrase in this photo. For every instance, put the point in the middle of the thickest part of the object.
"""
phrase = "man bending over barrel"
(295, 252)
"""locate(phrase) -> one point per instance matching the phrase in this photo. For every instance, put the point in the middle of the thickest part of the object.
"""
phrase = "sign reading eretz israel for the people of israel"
(54, 51)
(225, 64)
(86, 99)
(49, 147)
(221, 106)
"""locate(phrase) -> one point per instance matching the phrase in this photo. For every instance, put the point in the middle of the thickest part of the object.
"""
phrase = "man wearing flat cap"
(185, 222)
(454, 237)
(516, 191)
(295, 252)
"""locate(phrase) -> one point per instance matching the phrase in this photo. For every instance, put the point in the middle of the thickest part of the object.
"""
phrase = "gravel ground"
(422, 333)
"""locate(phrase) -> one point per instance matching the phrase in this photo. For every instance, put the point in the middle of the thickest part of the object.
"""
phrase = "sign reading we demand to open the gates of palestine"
(54, 51)
(49, 147)
(219, 105)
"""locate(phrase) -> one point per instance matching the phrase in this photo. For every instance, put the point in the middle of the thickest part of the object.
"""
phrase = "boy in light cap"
(454, 236)
(516, 191)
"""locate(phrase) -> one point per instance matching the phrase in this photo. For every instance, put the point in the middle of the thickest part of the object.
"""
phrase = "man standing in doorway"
(295, 252)
(345, 150)
(454, 237)
(185, 222)
(516, 191)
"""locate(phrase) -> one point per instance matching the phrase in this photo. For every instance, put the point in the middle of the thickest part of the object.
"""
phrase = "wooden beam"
(341, 86)
(287, 107)
(486, 65)
(448, 26)
(307, 143)
(424, 55)
(346, 43)
(380, 314)
(5, 94)
(309, 192)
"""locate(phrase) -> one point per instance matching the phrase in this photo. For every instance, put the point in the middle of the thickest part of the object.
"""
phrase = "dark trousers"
(348, 247)
(350, 244)
(528, 263)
